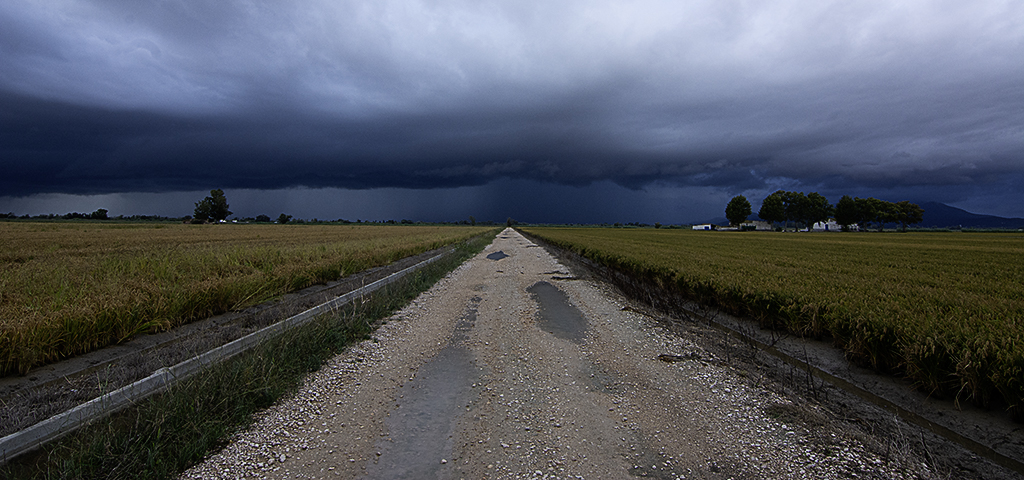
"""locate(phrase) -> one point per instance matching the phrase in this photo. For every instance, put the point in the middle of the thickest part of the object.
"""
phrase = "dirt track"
(512, 368)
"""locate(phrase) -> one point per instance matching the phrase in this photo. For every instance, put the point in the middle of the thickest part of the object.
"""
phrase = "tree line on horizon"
(779, 207)
(784, 206)
(214, 208)
(99, 214)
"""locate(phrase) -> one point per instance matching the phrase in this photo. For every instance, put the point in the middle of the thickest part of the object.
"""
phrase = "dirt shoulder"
(515, 367)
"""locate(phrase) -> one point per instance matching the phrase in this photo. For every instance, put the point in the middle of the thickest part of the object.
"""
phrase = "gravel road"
(511, 367)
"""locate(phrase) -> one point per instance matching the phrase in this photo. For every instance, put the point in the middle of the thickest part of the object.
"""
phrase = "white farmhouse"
(830, 225)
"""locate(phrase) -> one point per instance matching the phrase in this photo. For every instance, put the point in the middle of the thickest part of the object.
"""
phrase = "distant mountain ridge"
(940, 215)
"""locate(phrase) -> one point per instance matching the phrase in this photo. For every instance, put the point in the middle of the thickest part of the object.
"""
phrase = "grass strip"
(165, 435)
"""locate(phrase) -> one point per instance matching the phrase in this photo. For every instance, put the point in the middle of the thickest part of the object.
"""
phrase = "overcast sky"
(569, 111)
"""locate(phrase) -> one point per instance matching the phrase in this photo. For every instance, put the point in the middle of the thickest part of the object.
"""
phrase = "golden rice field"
(68, 288)
(944, 309)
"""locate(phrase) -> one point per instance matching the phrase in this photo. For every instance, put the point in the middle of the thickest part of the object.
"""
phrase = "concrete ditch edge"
(59, 425)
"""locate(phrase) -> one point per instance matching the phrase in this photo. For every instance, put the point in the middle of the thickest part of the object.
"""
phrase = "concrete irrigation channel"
(124, 371)
(519, 365)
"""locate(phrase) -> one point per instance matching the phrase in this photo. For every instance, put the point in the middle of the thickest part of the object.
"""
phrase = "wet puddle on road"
(421, 428)
(557, 316)
(497, 255)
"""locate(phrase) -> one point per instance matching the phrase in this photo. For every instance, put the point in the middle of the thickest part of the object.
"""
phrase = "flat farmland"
(944, 309)
(68, 288)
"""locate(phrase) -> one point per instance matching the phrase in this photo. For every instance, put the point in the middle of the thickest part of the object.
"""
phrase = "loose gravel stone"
(628, 398)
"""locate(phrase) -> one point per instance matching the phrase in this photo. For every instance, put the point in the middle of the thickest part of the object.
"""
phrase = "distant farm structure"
(759, 225)
(829, 225)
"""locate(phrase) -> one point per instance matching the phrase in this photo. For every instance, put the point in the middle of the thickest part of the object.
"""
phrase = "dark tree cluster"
(212, 208)
(806, 210)
(99, 214)
(472, 221)
(150, 218)
(783, 206)
(861, 211)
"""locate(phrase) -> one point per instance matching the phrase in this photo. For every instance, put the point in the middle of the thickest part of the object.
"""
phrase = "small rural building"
(759, 225)
(705, 226)
(830, 225)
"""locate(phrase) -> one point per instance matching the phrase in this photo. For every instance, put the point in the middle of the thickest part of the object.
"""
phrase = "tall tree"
(875, 210)
(213, 207)
(847, 212)
(908, 214)
(865, 211)
(796, 206)
(773, 208)
(99, 214)
(816, 209)
(737, 210)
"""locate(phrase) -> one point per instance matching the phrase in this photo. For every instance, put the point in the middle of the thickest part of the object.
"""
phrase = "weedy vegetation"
(69, 288)
(944, 309)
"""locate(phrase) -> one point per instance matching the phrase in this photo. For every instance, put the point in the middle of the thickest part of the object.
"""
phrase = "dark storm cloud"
(116, 96)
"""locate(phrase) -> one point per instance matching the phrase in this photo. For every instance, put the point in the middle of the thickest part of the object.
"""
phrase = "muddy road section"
(512, 367)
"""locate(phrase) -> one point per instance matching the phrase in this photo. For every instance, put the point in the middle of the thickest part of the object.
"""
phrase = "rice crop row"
(68, 288)
(944, 309)
(164, 435)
